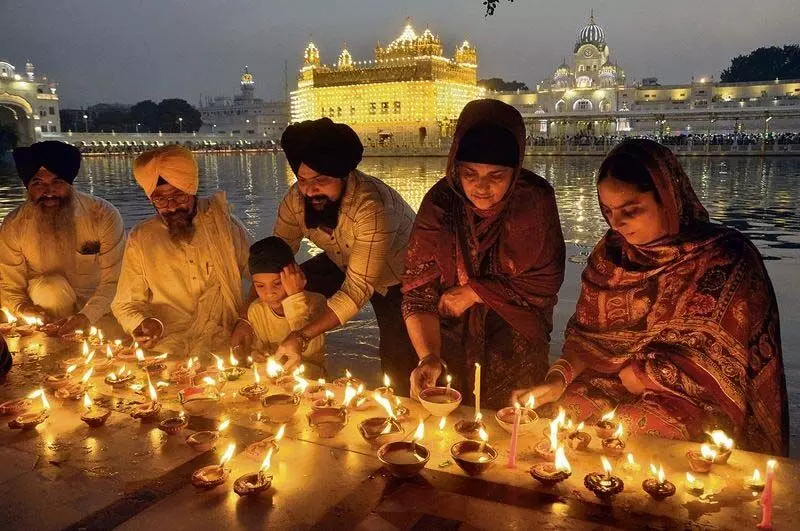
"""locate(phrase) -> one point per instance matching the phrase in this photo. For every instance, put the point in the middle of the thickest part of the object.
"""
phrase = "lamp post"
(137, 127)
(214, 129)
(86, 122)
(766, 132)
(180, 122)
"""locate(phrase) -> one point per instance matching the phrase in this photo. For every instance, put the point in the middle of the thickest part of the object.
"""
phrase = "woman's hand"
(455, 301)
(631, 381)
(542, 394)
(293, 279)
(425, 376)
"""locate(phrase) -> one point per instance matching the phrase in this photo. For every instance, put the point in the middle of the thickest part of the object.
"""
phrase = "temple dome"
(591, 34)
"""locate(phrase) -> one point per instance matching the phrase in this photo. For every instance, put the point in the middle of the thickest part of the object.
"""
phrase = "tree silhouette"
(764, 64)
(497, 84)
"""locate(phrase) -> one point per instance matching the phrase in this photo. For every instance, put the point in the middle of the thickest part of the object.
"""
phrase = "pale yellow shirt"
(299, 310)
(93, 277)
(368, 244)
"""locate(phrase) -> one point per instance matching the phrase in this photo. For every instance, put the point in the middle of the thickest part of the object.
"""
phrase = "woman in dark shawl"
(677, 324)
(485, 262)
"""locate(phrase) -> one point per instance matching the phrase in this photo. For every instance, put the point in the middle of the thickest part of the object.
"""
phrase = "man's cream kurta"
(183, 284)
(98, 257)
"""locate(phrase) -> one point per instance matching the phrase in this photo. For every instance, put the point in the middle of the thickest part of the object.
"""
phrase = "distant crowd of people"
(717, 139)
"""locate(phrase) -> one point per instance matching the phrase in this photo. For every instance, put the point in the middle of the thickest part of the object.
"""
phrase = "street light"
(137, 127)
(180, 121)
(86, 122)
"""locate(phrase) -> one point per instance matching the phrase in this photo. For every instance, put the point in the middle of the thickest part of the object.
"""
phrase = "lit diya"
(474, 457)
(386, 390)
(347, 379)
(605, 428)
(405, 459)
(378, 431)
(400, 411)
(579, 439)
(255, 390)
(10, 324)
(280, 408)
(361, 401)
(563, 425)
(327, 401)
(154, 365)
(527, 417)
(614, 446)
(120, 379)
(604, 485)
(275, 370)
(440, 401)
(57, 381)
(202, 441)
(288, 381)
(15, 407)
(101, 364)
(92, 415)
(546, 448)
(203, 400)
(724, 446)
(551, 474)
(327, 422)
(471, 429)
(631, 465)
(693, 485)
(257, 450)
(31, 419)
(184, 373)
(701, 461)
(151, 410)
(658, 488)
(75, 390)
(212, 476)
(173, 425)
(755, 482)
(234, 372)
(251, 484)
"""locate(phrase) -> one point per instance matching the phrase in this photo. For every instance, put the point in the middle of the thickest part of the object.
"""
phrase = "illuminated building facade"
(592, 95)
(28, 103)
(409, 95)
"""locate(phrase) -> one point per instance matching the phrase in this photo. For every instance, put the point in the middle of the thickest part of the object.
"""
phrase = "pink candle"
(512, 454)
(766, 498)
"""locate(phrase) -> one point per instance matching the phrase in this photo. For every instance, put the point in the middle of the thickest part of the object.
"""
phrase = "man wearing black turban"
(61, 250)
(361, 224)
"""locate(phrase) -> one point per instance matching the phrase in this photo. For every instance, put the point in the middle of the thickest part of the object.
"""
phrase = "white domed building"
(28, 103)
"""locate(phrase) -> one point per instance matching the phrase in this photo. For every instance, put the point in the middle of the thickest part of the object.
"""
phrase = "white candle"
(477, 389)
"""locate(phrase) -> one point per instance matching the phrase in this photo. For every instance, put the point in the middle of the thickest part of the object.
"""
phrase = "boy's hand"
(293, 279)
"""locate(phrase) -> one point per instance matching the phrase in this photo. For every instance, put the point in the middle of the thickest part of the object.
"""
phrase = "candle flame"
(609, 416)
(771, 464)
(756, 476)
(160, 384)
(300, 370)
(386, 381)
(561, 417)
(561, 463)
(553, 435)
(618, 432)
(223, 424)
(329, 394)
(347, 374)
(190, 363)
(227, 455)
(233, 360)
(30, 321)
(109, 354)
(118, 342)
(387, 428)
(89, 358)
(653, 469)
(442, 423)
(9, 316)
(690, 479)
(661, 477)
(36, 393)
(531, 403)
(516, 405)
(420, 432)
(568, 425)
(100, 336)
(606, 465)
(707, 452)
(220, 363)
(349, 394)
(384, 403)
(139, 354)
(483, 435)
(281, 431)
(151, 390)
(721, 440)
(85, 348)
(111, 376)
(255, 374)
(161, 357)
(267, 460)
(631, 460)
(46, 405)
(209, 381)
(274, 369)
(301, 385)
(87, 402)
(71, 369)
(40, 393)
(449, 379)
(78, 332)
(580, 428)
(478, 417)
(182, 415)
(87, 375)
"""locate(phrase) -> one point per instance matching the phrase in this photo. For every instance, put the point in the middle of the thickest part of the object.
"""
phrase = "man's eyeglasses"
(177, 200)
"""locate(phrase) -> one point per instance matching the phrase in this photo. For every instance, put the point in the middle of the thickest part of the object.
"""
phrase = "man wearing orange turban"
(180, 288)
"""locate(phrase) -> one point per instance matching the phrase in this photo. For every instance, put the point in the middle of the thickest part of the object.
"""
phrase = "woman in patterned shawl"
(677, 324)
(484, 263)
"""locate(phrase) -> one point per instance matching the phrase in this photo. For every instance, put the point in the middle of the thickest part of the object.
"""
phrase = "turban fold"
(489, 143)
(322, 145)
(60, 158)
(173, 163)
(269, 255)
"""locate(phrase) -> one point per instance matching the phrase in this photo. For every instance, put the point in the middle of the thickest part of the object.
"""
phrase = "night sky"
(129, 50)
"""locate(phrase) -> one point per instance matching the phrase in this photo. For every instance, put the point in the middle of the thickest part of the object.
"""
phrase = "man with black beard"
(361, 224)
(180, 289)
(61, 250)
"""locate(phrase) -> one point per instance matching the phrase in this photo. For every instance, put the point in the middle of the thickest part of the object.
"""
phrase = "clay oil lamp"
(658, 488)
(184, 374)
(755, 482)
(212, 476)
(256, 390)
(92, 415)
(257, 450)
(151, 410)
(79, 360)
(327, 422)
(546, 448)
(127, 353)
(631, 466)
(471, 429)
(75, 390)
(316, 390)
(693, 485)
(551, 474)
(701, 461)
(327, 401)
(614, 446)
(405, 459)
(32, 324)
(361, 401)
(202, 441)
(120, 379)
(57, 381)
(234, 372)
(155, 365)
(579, 439)
(275, 372)
(440, 401)
(280, 408)
(15, 407)
(9, 327)
(527, 417)
(563, 424)
(386, 390)
(378, 431)
(101, 364)
(400, 411)
(31, 419)
(604, 485)
(347, 379)
(173, 425)
(350, 394)
(256, 483)
(286, 381)
(605, 428)
(724, 446)
(474, 457)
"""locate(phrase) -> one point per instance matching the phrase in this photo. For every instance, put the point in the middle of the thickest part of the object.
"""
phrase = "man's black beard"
(326, 215)
(180, 224)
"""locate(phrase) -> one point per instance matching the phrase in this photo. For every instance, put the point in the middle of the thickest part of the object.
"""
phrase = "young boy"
(283, 305)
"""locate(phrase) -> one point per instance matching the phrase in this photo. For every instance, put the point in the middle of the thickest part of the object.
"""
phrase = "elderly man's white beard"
(56, 235)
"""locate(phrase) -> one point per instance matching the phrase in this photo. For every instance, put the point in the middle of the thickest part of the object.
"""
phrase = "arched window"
(582, 105)
(605, 106)
(583, 82)
(561, 106)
